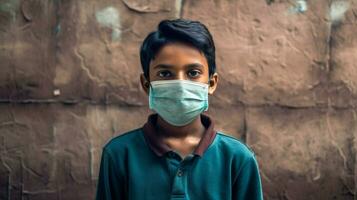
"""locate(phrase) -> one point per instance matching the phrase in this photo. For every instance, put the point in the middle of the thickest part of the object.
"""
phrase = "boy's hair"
(190, 32)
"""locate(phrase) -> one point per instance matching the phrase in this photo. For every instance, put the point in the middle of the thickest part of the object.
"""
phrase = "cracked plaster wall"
(69, 82)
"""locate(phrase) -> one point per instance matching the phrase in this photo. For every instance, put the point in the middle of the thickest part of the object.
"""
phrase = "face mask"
(178, 102)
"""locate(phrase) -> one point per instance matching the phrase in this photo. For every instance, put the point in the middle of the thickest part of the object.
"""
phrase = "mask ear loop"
(148, 84)
(209, 79)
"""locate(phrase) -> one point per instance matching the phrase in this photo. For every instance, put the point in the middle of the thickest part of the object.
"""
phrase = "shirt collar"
(161, 148)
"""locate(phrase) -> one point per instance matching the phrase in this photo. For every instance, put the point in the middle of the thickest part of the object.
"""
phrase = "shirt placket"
(179, 167)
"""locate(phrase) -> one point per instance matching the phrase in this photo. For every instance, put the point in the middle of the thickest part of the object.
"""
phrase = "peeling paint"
(300, 6)
(58, 29)
(269, 1)
(56, 92)
(148, 6)
(338, 10)
(109, 17)
(178, 8)
(66, 88)
(9, 7)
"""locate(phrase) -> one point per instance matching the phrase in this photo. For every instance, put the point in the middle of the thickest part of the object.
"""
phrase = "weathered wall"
(69, 81)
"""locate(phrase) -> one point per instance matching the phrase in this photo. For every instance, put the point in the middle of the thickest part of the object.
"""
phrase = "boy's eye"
(164, 73)
(194, 73)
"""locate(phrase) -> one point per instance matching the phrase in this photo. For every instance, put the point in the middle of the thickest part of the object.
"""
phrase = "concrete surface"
(69, 82)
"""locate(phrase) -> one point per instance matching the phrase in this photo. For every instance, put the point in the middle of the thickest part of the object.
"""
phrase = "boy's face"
(182, 62)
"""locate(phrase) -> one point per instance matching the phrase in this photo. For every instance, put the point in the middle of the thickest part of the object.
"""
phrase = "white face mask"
(178, 102)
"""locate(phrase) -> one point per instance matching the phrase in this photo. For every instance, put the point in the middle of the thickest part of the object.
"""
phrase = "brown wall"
(69, 81)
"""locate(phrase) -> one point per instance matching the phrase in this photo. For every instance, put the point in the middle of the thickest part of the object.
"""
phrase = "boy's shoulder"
(234, 145)
(123, 140)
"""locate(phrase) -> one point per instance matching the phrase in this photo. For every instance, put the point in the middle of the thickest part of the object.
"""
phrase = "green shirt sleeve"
(247, 185)
(110, 183)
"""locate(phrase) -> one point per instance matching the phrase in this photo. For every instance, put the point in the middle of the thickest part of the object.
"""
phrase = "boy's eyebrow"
(191, 65)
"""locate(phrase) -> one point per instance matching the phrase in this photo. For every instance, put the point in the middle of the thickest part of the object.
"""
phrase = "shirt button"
(179, 173)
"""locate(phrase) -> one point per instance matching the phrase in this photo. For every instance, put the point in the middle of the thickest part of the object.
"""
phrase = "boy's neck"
(193, 129)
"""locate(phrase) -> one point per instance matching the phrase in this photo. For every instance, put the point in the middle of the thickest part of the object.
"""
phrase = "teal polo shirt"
(137, 165)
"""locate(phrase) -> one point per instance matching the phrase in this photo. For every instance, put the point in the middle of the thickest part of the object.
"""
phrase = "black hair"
(187, 31)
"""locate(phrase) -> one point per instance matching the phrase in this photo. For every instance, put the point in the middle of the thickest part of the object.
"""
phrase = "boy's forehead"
(178, 53)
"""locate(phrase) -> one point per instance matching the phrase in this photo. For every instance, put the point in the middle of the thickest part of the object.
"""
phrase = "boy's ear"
(144, 83)
(213, 83)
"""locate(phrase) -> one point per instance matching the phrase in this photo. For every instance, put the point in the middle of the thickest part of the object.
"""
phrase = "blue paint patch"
(9, 8)
(300, 6)
(58, 29)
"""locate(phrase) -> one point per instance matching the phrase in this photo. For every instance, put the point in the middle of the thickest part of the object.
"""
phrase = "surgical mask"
(178, 102)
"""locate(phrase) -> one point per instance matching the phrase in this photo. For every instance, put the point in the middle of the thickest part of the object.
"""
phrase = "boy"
(177, 153)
